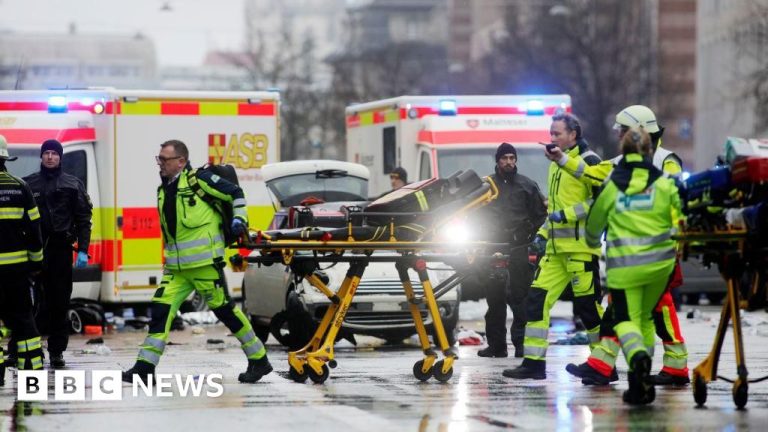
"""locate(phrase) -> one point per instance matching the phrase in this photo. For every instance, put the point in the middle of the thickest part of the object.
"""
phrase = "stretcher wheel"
(699, 390)
(318, 379)
(740, 394)
(297, 376)
(437, 372)
(421, 376)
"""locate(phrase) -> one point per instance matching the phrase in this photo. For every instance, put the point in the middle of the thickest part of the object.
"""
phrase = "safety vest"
(639, 221)
(571, 196)
(198, 240)
(20, 241)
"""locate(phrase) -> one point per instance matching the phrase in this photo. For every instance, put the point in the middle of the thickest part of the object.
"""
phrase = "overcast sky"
(182, 35)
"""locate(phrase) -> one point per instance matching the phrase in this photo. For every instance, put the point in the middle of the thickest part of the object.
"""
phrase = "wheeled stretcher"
(733, 253)
(414, 234)
(736, 251)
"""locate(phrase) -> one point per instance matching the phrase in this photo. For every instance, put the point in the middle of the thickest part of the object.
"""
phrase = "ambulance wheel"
(75, 321)
(419, 374)
(296, 376)
(699, 390)
(318, 379)
(437, 372)
(740, 394)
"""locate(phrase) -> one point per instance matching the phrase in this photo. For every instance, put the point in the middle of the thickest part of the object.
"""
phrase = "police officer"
(513, 217)
(65, 211)
(600, 366)
(639, 206)
(567, 259)
(194, 258)
(21, 255)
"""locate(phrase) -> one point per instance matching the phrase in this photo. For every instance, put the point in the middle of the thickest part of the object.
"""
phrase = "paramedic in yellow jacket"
(599, 369)
(194, 258)
(567, 259)
(639, 206)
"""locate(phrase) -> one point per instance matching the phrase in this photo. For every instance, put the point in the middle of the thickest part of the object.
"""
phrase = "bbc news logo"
(107, 385)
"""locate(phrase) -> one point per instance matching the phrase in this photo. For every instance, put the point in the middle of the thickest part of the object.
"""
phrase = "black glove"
(538, 246)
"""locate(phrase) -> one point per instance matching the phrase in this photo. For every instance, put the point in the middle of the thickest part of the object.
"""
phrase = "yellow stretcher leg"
(443, 369)
(423, 368)
(706, 371)
(311, 361)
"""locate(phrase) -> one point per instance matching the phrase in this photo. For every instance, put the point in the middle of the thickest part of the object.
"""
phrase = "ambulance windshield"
(28, 161)
(530, 162)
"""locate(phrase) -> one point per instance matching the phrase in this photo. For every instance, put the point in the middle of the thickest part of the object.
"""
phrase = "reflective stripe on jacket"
(568, 194)
(640, 207)
(197, 240)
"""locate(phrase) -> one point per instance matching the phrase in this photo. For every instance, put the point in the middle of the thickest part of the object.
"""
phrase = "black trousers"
(56, 279)
(507, 287)
(16, 305)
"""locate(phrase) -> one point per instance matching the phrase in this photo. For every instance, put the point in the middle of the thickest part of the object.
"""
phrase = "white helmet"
(4, 149)
(637, 115)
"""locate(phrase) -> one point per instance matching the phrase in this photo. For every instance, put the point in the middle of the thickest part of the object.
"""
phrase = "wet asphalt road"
(372, 389)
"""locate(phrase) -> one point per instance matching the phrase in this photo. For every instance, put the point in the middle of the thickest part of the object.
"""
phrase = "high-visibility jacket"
(595, 174)
(571, 196)
(640, 207)
(21, 245)
(192, 229)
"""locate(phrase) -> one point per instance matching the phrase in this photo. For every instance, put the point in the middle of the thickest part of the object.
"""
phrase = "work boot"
(256, 370)
(2, 374)
(492, 352)
(590, 375)
(529, 369)
(57, 361)
(141, 369)
(667, 379)
(641, 390)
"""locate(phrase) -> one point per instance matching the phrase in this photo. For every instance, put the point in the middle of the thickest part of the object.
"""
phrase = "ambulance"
(110, 139)
(435, 136)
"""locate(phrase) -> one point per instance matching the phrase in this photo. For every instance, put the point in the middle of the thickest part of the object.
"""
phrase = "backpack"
(224, 209)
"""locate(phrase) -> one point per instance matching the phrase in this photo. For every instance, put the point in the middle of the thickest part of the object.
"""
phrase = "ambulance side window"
(75, 163)
(425, 167)
(389, 150)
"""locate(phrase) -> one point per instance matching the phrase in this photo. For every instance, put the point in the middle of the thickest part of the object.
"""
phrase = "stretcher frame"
(731, 251)
(314, 359)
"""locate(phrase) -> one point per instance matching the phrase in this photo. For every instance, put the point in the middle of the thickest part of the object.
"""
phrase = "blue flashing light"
(57, 104)
(534, 107)
(684, 175)
(447, 107)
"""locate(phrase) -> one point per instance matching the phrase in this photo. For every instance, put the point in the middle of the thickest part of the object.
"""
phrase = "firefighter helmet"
(637, 115)
(4, 149)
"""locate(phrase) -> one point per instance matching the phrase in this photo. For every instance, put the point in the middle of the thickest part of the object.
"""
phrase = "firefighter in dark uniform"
(513, 217)
(21, 255)
(65, 211)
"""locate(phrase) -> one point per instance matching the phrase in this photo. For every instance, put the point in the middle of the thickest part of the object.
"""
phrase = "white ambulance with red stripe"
(111, 138)
(435, 136)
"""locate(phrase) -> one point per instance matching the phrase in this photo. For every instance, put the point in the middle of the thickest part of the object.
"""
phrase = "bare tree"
(749, 37)
(289, 66)
(598, 51)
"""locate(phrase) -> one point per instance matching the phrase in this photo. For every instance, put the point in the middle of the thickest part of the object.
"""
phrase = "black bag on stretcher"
(424, 196)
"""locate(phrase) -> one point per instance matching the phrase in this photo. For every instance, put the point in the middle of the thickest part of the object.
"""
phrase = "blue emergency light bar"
(57, 104)
(447, 107)
(534, 107)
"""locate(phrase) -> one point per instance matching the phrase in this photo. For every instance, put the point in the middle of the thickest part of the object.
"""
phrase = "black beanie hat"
(54, 145)
(505, 148)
